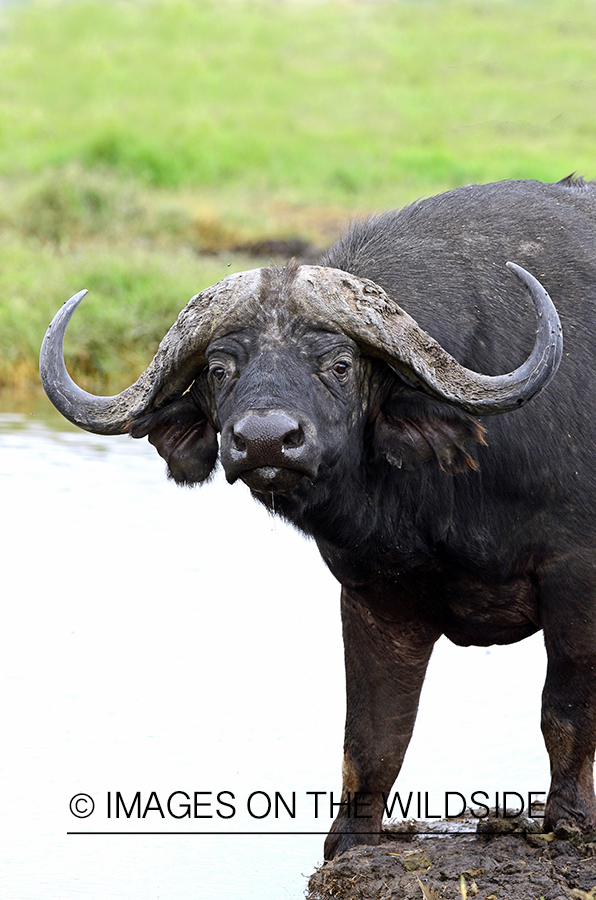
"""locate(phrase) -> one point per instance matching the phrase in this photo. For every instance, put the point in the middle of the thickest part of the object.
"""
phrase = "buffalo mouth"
(272, 479)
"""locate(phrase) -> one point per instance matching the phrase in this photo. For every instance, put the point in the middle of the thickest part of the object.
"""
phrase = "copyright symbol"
(82, 805)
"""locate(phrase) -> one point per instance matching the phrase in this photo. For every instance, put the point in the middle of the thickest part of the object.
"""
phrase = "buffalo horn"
(363, 311)
(329, 297)
(179, 357)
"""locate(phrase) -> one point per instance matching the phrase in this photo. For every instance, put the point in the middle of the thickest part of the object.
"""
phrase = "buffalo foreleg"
(569, 697)
(386, 662)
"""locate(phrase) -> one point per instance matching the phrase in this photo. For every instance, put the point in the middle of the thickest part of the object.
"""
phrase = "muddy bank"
(504, 860)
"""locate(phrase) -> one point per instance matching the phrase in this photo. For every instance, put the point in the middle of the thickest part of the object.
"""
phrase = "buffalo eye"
(218, 373)
(341, 369)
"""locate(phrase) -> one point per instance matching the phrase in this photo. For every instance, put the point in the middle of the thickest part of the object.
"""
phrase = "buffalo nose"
(270, 449)
(264, 439)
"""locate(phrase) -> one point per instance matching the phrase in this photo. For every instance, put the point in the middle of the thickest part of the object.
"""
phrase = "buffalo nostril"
(238, 442)
(294, 438)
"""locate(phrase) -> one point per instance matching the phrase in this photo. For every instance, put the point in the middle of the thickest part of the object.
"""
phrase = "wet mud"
(504, 859)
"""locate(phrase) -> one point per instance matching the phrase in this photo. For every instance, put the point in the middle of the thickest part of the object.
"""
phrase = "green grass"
(134, 298)
(333, 101)
(134, 133)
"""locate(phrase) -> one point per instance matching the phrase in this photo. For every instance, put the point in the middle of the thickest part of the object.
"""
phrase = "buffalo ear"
(407, 435)
(183, 436)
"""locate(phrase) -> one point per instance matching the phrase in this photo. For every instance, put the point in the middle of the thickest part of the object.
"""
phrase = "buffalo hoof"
(343, 836)
(563, 820)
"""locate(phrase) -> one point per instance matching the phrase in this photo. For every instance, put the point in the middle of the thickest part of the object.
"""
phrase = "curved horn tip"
(534, 286)
(67, 309)
(528, 279)
(524, 276)
(82, 409)
(74, 301)
(549, 325)
(76, 298)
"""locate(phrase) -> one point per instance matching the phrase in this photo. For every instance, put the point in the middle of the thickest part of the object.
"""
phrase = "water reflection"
(162, 640)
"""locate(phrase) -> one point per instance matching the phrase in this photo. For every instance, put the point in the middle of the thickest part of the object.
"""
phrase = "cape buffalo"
(442, 501)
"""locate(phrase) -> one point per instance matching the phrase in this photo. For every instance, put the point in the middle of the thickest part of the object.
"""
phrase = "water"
(158, 640)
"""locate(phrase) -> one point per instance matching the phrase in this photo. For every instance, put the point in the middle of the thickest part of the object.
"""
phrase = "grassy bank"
(143, 142)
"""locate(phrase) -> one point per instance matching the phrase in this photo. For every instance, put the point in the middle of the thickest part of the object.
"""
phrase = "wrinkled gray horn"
(329, 297)
(363, 311)
(179, 356)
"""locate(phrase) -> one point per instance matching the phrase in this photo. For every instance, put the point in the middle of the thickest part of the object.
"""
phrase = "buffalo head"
(291, 366)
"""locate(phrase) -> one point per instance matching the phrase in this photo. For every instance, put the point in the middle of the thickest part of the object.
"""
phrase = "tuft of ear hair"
(409, 435)
(184, 437)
